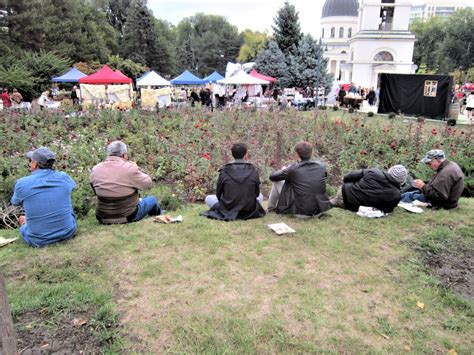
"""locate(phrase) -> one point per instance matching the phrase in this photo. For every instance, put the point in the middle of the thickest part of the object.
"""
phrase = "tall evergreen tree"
(117, 11)
(141, 38)
(287, 31)
(307, 66)
(271, 61)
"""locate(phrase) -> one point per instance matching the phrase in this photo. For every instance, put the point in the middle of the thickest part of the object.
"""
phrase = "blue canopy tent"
(187, 78)
(212, 78)
(71, 76)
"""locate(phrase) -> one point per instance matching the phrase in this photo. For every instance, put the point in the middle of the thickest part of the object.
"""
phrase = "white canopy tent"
(242, 78)
(152, 79)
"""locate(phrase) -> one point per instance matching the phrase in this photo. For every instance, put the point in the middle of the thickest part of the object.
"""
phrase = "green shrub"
(370, 114)
(167, 198)
(335, 107)
(392, 115)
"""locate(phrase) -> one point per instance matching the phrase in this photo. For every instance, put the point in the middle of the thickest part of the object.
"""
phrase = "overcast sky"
(254, 14)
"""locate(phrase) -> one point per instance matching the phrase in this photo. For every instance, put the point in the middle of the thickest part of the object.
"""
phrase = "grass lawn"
(342, 284)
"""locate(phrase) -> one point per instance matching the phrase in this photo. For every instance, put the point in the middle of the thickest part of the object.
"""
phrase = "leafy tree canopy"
(254, 42)
(205, 43)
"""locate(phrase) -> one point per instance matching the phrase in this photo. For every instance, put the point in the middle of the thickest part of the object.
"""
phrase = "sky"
(254, 14)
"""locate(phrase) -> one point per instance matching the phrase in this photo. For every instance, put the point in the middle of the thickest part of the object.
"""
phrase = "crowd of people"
(298, 189)
(355, 95)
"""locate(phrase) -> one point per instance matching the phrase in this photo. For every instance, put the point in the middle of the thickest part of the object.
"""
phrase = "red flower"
(434, 132)
(363, 152)
(197, 125)
(206, 156)
(393, 145)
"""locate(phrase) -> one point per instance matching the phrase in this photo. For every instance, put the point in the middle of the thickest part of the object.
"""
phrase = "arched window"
(349, 32)
(343, 52)
(333, 32)
(383, 56)
(322, 33)
(341, 32)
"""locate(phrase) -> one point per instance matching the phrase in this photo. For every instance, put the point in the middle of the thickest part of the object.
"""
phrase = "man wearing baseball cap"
(46, 198)
(446, 186)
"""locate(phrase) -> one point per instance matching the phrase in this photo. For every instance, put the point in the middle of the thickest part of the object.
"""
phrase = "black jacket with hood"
(371, 188)
(238, 187)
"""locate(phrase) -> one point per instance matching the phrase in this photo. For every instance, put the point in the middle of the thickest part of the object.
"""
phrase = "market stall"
(154, 90)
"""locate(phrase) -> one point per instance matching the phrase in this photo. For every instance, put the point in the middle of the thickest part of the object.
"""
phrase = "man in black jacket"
(238, 190)
(300, 189)
(371, 188)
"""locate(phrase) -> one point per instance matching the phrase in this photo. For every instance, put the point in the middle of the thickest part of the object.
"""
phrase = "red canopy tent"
(263, 77)
(106, 76)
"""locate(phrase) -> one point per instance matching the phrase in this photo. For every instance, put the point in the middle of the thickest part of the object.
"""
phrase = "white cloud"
(257, 14)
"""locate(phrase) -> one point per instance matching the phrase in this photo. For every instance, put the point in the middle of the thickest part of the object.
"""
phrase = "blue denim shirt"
(46, 198)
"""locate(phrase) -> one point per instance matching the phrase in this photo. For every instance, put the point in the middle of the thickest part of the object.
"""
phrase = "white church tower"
(382, 44)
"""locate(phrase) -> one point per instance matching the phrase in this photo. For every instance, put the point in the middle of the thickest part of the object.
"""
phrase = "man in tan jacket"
(116, 182)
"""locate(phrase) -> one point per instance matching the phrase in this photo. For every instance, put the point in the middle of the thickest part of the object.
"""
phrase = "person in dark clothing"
(300, 189)
(340, 96)
(444, 189)
(74, 97)
(371, 97)
(194, 97)
(238, 190)
(371, 188)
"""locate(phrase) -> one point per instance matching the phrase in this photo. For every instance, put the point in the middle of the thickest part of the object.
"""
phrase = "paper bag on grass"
(281, 228)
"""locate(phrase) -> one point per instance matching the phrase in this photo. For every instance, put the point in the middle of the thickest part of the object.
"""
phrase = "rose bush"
(184, 149)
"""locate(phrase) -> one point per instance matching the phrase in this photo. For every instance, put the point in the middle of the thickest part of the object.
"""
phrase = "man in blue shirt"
(46, 199)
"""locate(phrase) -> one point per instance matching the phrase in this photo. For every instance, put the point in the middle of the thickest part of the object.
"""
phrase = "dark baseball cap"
(42, 155)
(433, 154)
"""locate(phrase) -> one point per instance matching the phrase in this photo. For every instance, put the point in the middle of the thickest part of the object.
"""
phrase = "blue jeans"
(409, 197)
(148, 205)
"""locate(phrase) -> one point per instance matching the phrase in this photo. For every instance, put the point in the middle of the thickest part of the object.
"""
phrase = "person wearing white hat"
(46, 198)
(371, 188)
(446, 186)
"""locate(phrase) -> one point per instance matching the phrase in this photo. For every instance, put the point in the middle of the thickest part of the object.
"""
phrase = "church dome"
(340, 8)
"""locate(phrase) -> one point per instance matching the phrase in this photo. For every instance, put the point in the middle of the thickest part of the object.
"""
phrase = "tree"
(458, 43)
(67, 27)
(429, 38)
(142, 41)
(126, 66)
(206, 42)
(254, 42)
(117, 12)
(271, 61)
(286, 31)
(307, 66)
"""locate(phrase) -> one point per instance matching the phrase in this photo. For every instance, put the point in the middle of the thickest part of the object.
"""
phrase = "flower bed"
(185, 148)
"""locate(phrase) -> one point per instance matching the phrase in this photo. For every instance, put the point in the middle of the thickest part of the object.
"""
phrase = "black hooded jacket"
(304, 191)
(370, 188)
(238, 187)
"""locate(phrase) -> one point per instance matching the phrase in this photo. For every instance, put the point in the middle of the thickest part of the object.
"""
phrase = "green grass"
(342, 283)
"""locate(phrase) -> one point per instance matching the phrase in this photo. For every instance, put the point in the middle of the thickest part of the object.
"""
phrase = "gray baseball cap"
(433, 154)
(41, 155)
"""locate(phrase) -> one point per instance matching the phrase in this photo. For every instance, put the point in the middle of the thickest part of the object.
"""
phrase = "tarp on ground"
(71, 76)
(152, 78)
(255, 74)
(187, 78)
(242, 78)
(415, 94)
(105, 75)
(212, 78)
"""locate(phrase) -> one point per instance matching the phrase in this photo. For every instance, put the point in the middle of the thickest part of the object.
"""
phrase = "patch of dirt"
(454, 266)
(73, 335)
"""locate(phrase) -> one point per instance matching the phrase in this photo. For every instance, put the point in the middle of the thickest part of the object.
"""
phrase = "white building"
(431, 8)
(381, 42)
